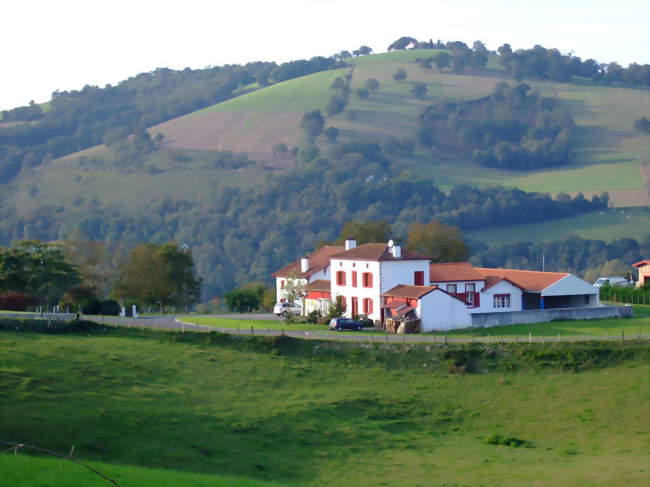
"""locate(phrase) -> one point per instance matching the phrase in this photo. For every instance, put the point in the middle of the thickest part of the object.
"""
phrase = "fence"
(481, 320)
(624, 296)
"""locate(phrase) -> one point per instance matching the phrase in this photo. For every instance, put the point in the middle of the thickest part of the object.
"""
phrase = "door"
(355, 307)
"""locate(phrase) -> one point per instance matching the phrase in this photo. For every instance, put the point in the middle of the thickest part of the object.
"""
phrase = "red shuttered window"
(340, 278)
(367, 306)
(367, 279)
(418, 278)
(354, 278)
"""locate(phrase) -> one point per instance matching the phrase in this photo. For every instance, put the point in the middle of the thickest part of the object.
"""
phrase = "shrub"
(110, 307)
(507, 441)
(17, 301)
(91, 306)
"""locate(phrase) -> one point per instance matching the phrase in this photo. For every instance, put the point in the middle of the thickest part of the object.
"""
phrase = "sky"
(67, 44)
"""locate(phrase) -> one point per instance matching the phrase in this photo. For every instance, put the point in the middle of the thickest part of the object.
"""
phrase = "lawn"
(246, 325)
(318, 413)
(605, 225)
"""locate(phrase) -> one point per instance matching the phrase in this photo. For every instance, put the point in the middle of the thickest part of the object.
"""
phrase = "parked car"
(284, 309)
(340, 324)
(612, 281)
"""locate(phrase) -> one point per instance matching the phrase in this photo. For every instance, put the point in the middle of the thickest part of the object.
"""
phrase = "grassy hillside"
(332, 414)
(601, 225)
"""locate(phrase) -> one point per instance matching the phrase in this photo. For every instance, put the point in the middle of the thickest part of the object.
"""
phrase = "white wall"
(282, 294)
(398, 272)
(572, 285)
(360, 292)
(440, 311)
(502, 287)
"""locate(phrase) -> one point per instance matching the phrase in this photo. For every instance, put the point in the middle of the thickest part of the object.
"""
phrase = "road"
(174, 323)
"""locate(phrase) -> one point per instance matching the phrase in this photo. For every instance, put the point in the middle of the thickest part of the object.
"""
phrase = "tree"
(442, 59)
(402, 43)
(419, 90)
(38, 269)
(159, 275)
(371, 84)
(336, 105)
(242, 300)
(399, 75)
(458, 61)
(313, 123)
(308, 153)
(362, 51)
(441, 242)
(362, 93)
(365, 232)
(279, 148)
(642, 124)
(338, 83)
(331, 134)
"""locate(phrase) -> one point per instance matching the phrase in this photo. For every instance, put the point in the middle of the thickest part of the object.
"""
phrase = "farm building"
(403, 292)
(643, 266)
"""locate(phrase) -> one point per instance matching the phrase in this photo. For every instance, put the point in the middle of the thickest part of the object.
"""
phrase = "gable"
(569, 285)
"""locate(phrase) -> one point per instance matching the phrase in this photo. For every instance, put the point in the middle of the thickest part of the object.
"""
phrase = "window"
(501, 300)
(340, 278)
(418, 278)
(282, 284)
(586, 299)
(367, 306)
(366, 279)
(354, 278)
(469, 293)
(451, 288)
(470, 288)
(355, 306)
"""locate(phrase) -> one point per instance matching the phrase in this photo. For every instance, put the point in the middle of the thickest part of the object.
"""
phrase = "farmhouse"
(402, 291)
(643, 266)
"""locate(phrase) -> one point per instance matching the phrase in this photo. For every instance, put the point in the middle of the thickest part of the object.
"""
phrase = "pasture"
(317, 413)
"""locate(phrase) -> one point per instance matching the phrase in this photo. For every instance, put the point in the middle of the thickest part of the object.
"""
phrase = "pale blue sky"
(65, 44)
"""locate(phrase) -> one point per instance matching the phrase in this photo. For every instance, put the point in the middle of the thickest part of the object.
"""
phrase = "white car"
(284, 309)
(612, 281)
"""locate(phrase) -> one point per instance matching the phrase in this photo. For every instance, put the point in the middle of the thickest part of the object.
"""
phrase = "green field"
(607, 225)
(27, 471)
(318, 413)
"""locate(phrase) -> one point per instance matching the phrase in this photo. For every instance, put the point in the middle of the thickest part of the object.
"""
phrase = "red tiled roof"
(526, 280)
(641, 263)
(320, 285)
(414, 292)
(378, 252)
(493, 280)
(319, 259)
(454, 271)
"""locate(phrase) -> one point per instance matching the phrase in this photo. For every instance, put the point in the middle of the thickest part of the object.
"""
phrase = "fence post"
(237, 330)
(622, 335)
(488, 338)
(445, 339)
(530, 337)
(386, 338)
(558, 336)
(252, 333)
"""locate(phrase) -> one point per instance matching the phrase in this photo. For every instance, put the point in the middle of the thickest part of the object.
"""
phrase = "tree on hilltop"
(399, 75)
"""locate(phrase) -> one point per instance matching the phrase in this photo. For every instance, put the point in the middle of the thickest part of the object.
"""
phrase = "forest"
(513, 128)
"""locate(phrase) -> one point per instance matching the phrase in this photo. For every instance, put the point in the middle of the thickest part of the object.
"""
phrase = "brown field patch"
(238, 130)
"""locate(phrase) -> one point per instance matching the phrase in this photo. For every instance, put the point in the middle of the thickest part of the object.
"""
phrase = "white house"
(362, 273)
(308, 269)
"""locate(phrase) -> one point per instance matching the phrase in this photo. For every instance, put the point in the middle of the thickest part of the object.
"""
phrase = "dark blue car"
(340, 324)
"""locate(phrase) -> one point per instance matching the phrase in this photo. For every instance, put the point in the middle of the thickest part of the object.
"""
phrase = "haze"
(66, 44)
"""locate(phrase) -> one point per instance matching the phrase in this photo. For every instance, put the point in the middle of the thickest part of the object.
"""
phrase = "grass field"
(607, 225)
(28, 471)
(313, 414)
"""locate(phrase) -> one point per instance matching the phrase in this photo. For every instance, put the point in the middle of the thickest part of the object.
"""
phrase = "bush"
(17, 301)
(91, 306)
(507, 441)
(110, 307)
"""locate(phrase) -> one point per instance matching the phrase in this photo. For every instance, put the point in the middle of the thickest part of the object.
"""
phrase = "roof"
(414, 292)
(321, 285)
(535, 281)
(319, 259)
(378, 252)
(493, 280)
(454, 271)
(641, 263)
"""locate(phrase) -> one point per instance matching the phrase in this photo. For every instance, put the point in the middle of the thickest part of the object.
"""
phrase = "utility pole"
(543, 262)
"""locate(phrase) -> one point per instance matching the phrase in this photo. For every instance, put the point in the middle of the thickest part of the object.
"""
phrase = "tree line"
(85, 276)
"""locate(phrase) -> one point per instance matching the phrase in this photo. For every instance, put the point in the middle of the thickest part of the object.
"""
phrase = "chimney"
(304, 264)
(396, 251)
(350, 243)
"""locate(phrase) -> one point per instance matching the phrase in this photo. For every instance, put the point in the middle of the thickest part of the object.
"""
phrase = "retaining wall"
(480, 320)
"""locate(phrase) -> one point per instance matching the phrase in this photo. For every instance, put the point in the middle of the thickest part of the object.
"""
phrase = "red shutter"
(355, 306)
(340, 278)
(367, 306)
(418, 278)
(354, 278)
(367, 279)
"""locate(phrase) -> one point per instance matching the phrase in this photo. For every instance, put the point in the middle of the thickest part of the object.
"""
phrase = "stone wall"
(480, 320)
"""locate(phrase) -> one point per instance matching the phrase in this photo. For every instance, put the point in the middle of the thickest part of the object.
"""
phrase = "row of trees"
(86, 275)
(513, 128)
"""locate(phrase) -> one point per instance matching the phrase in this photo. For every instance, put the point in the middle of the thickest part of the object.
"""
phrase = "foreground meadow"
(316, 413)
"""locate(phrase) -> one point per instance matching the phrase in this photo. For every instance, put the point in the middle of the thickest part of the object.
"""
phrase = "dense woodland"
(244, 235)
(513, 128)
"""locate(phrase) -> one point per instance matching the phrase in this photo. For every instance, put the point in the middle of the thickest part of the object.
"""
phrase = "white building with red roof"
(643, 266)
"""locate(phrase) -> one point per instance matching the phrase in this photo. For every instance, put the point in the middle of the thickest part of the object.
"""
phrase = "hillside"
(609, 158)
